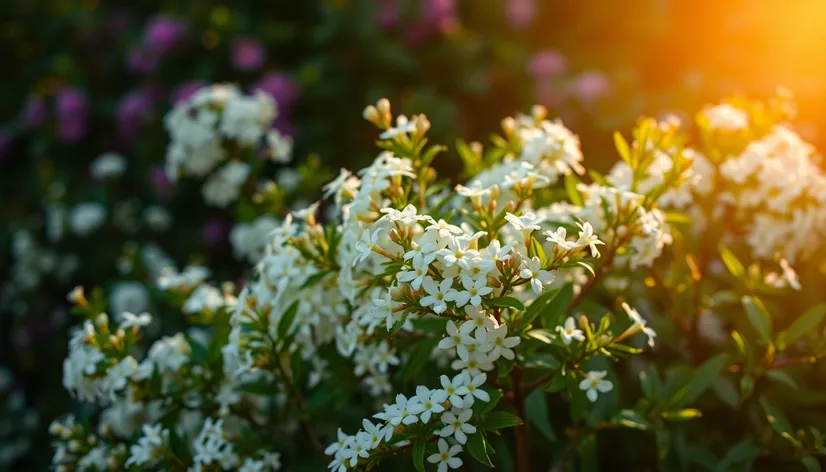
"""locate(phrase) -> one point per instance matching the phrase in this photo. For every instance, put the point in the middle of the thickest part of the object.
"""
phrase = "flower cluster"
(437, 312)
(220, 126)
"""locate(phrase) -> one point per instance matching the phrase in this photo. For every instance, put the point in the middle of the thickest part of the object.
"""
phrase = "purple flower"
(72, 111)
(185, 91)
(213, 231)
(590, 86)
(134, 109)
(6, 139)
(70, 103)
(546, 64)
(247, 54)
(281, 87)
(520, 13)
(163, 33)
(389, 13)
(161, 185)
(141, 60)
(34, 112)
(440, 13)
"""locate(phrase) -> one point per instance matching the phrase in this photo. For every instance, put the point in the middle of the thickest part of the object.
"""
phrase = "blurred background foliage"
(85, 77)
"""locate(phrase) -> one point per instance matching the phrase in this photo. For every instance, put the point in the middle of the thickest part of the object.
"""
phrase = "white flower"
(472, 384)
(456, 425)
(497, 252)
(594, 382)
(587, 238)
(570, 331)
(338, 445)
(456, 337)
(86, 217)
(446, 457)
(455, 389)
(558, 237)
(532, 270)
(129, 320)
(502, 346)
(436, 294)
(431, 401)
(444, 228)
(366, 244)
(130, 297)
(110, 164)
(478, 319)
(473, 293)
(640, 323)
(403, 126)
(526, 223)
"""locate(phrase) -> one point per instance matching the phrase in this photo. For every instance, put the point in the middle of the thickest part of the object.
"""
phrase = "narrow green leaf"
(419, 447)
(622, 147)
(539, 306)
(759, 318)
(542, 335)
(286, 321)
(419, 358)
(554, 312)
(631, 419)
(698, 382)
(314, 279)
(507, 302)
(499, 419)
(495, 396)
(734, 266)
(803, 325)
(571, 181)
(811, 464)
(781, 377)
(682, 415)
(478, 448)
(556, 384)
(775, 417)
(726, 392)
(536, 411)
(651, 384)
(742, 453)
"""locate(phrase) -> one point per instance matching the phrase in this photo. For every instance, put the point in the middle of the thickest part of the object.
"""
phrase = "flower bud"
(370, 114)
(508, 126)
(539, 112)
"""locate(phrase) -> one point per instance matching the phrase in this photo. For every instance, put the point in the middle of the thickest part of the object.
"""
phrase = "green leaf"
(495, 396)
(478, 448)
(682, 415)
(698, 382)
(556, 384)
(631, 419)
(759, 318)
(419, 358)
(781, 377)
(536, 411)
(541, 335)
(199, 355)
(499, 419)
(507, 302)
(651, 384)
(419, 447)
(314, 279)
(537, 250)
(539, 306)
(504, 366)
(803, 325)
(775, 417)
(622, 147)
(743, 452)
(542, 361)
(571, 181)
(587, 267)
(811, 464)
(286, 321)
(734, 266)
(726, 392)
(554, 312)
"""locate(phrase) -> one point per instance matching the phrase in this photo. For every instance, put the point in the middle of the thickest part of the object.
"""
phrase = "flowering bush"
(496, 321)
